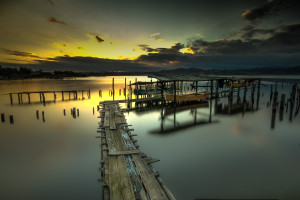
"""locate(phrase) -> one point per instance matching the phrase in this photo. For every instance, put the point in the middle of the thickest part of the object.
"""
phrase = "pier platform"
(126, 171)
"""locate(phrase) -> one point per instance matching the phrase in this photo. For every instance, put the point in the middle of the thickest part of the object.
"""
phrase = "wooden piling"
(43, 116)
(2, 118)
(37, 114)
(19, 99)
(11, 119)
(282, 100)
(11, 98)
(258, 94)
(64, 112)
(125, 88)
(77, 112)
(174, 92)
(274, 108)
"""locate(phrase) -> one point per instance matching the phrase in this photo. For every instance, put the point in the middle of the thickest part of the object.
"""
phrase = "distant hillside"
(253, 71)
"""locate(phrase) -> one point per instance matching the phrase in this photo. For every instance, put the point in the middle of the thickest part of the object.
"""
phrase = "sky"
(140, 35)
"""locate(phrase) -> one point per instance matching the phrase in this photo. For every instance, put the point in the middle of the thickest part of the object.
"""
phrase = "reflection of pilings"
(282, 100)
(77, 112)
(93, 110)
(64, 112)
(2, 117)
(37, 114)
(274, 107)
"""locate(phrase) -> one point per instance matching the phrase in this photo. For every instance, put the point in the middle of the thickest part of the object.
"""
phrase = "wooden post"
(21, 95)
(64, 112)
(11, 119)
(43, 116)
(2, 117)
(211, 89)
(292, 101)
(113, 88)
(77, 112)
(69, 95)
(40, 97)
(271, 94)
(274, 107)
(19, 98)
(37, 114)
(217, 88)
(252, 95)
(89, 91)
(196, 87)
(11, 98)
(44, 100)
(258, 94)
(93, 110)
(137, 88)
(282, 100)
(125, 89)
(28, 94)
(174, 92)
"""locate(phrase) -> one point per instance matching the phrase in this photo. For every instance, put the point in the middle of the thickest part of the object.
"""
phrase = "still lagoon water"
(215, 155)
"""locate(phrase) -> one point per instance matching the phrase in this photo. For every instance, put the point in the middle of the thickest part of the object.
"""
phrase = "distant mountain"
(253, 71)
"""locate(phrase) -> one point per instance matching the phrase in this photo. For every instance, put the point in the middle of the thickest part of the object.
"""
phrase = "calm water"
(216, 155)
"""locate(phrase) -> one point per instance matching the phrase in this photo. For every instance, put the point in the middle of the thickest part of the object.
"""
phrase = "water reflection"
(237, 149)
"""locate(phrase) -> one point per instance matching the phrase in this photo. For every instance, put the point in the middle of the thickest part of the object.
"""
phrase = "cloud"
(270, 8)
(100, 40)
(20, 53)
(51, 2)
(54, 20)
(156, 36)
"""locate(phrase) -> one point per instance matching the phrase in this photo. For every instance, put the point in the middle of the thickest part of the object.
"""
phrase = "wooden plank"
(118, 153)
(118, 179)
(106, 119)
(115, 141)
(150, 183)
(112, 124)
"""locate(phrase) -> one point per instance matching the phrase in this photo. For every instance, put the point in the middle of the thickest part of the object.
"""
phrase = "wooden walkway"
(126, 171)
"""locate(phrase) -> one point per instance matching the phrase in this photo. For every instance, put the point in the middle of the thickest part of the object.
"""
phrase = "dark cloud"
(100, 40)
(51, 2)
(173, 50)
(20, 53)
(54, 20)
(270, 8)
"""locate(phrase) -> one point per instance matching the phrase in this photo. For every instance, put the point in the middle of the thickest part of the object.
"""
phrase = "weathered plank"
(112, 124)
(115, 141)
(150, 183)
(118, 179)
(106, 119)
(118, 153)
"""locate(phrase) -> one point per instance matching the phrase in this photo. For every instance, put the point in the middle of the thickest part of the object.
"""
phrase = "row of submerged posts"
(65, 95)
(11, 118)
(289, 104)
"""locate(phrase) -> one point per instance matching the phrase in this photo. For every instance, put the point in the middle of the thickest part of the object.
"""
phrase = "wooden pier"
(71, 95)
(126, 171)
